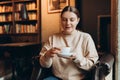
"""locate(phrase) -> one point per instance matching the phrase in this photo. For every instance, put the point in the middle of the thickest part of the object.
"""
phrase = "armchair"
(103, 68)
(98, 72)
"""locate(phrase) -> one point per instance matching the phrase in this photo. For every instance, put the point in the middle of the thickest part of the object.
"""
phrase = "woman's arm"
(89, 57)
(47, 53)
(46, 61)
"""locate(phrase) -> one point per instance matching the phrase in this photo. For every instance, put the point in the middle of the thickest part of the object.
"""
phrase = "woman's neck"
(73, 32)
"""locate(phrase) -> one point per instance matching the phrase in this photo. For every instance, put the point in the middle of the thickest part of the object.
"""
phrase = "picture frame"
(57, 5)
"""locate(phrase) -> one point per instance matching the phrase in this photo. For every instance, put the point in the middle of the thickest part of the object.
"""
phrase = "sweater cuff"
(46, 62)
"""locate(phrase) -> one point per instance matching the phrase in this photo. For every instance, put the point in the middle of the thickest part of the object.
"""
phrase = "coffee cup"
(65, 52)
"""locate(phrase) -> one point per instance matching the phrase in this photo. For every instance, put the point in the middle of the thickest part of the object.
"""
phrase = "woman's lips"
(67, 27)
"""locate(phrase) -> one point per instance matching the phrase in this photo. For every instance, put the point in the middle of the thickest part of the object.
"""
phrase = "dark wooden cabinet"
(20, 20)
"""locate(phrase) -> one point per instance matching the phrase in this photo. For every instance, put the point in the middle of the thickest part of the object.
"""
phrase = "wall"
(89, 10)
(50, 22)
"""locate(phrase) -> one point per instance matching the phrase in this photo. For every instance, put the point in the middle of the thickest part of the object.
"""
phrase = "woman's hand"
(72, 57)
(52, 52)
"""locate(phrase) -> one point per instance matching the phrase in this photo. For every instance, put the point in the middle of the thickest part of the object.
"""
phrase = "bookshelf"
(20, 20)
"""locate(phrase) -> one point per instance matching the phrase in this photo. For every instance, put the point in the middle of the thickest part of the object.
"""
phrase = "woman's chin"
(68, 32)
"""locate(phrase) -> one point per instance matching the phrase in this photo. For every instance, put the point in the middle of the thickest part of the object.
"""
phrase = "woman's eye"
(64, 19)
(72, 19)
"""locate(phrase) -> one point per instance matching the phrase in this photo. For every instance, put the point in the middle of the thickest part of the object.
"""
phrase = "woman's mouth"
(67, 27)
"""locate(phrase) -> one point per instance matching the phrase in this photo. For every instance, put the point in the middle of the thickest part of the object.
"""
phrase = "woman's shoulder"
(85, 37)
(84, 33)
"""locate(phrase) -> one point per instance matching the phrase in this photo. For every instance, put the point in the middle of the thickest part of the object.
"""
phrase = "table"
(20, 50)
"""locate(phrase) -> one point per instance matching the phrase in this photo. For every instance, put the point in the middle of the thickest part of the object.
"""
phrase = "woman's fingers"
(53, 51)
(57, 48)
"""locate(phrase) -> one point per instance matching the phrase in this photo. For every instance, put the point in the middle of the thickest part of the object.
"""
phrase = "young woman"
(83, 50)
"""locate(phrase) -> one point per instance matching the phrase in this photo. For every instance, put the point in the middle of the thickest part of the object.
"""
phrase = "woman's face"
(69, 22)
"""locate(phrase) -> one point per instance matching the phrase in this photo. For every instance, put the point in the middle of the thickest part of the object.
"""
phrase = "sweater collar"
(73, 33)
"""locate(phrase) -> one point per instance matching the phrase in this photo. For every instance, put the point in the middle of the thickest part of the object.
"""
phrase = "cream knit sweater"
(81, 43)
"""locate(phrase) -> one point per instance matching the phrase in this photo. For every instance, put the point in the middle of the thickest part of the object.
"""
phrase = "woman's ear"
(78, 19)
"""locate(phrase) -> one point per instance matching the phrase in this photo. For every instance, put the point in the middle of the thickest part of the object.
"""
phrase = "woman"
(83, 50)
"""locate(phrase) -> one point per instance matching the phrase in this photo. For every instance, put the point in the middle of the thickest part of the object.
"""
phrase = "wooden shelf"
(5, 2)
(26, 1)
(26, 21)
(20, 34)
(10, 12)
(5, 22)
(12, 20)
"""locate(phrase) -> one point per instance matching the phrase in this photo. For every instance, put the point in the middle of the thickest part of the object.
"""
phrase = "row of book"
(19, 28)
(17, 7)
(4, 8)
(31, 16)
(7, 17)
(5, 29)
(26, 28)
(29, 6)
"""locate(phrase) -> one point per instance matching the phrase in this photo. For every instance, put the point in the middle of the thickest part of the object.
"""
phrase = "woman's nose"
(68, 21)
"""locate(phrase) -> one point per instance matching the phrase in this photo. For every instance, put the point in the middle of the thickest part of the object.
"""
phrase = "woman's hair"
(71, 9)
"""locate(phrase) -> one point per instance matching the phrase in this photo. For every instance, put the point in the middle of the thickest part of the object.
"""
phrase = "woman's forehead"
(69, 14)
